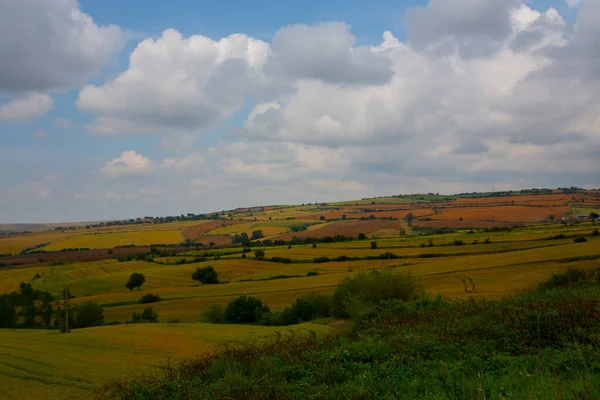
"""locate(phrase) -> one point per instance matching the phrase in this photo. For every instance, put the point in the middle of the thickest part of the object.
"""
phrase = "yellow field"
(269, 228)
(103, 240)
(50, 365)
(14, 244)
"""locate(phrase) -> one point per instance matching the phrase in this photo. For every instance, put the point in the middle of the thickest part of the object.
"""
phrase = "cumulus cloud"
(326, 52)
(129, 163)
(471, 28)
(176, 84)
(24, 108)
(51, 44)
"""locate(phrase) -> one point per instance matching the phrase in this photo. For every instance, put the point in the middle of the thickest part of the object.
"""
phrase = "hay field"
(14, 244)
(48, 364)
(103, 240)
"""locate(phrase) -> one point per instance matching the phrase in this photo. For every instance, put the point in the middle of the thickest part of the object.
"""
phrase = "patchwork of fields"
(457, 265)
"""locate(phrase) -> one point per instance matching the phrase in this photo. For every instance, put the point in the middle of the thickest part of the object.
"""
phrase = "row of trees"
(30, 307)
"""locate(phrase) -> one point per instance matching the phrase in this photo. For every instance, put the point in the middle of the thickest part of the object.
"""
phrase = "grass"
(269, 228)
(47, 364)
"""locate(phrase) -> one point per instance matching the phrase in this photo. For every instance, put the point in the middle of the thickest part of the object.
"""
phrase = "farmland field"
(457, 263)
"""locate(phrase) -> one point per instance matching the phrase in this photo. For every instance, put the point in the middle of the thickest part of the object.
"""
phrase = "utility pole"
(66, 287)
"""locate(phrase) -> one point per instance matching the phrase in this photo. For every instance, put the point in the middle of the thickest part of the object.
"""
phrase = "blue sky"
(342, 111)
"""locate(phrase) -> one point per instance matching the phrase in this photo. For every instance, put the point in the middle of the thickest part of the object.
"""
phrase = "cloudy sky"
(113, 109)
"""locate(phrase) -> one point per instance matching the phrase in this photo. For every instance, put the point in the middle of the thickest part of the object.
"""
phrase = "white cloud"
(39, 134)
(112, 196)
(51, 44)
(129, 163)
(24, 108)
(326, 52)
(179, 85)
(574, 3)
(188, 162)
(62, 122)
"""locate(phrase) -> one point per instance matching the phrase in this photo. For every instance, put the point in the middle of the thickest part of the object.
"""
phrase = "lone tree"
(373, 245)
(206, 275)
(136, 280)
(259, 254)
(362, 236)
(551, 217)
(409, 217)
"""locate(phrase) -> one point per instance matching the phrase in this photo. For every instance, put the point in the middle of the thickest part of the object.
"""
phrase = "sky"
(121, 109)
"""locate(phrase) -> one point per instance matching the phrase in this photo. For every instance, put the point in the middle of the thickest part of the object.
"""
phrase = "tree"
(362, 236)
(245, 310)
(206, 275)
(259, 254)
(594, 216)
(88, 314)
(136, 280)
(8, 311)
(409, 217)
(373, 245)
(551, 217)
(322, 218)
(257, 235)
(147, 315)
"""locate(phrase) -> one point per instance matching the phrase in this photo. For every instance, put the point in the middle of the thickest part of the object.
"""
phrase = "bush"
(595, 233)
(214, 314)
(150, 298)
(312, 273)
(580, 239)
(88, 314)
(206, 275)
(458, 242)
(571, 275)
(136, 280)
(318, 260)
(314, 245)
(556, 237)
(259, 254)
(362, 236)
(373, 245)
(147, 315)
(245, 310)
(372, 287)
(306, 308)
(487, 241)
(283, 260)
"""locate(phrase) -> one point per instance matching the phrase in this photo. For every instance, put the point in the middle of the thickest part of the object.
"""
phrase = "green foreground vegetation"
(541, 344)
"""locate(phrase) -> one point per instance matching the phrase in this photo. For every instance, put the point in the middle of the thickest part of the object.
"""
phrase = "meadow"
(460, 266)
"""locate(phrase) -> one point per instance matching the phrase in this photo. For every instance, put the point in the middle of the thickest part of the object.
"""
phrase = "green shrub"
(146, 316)
(312, 273)
(487, 241)
(88, 314)
(245, 310)
(150, 298)
(283, 260)
(306, 308)
(214, 314)
(373, 245)
(206, 275)
(371, 287)
(570, 276)
(362, 236)
(580, 239)
(259, 254)
(458, 242)
(319, 260)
